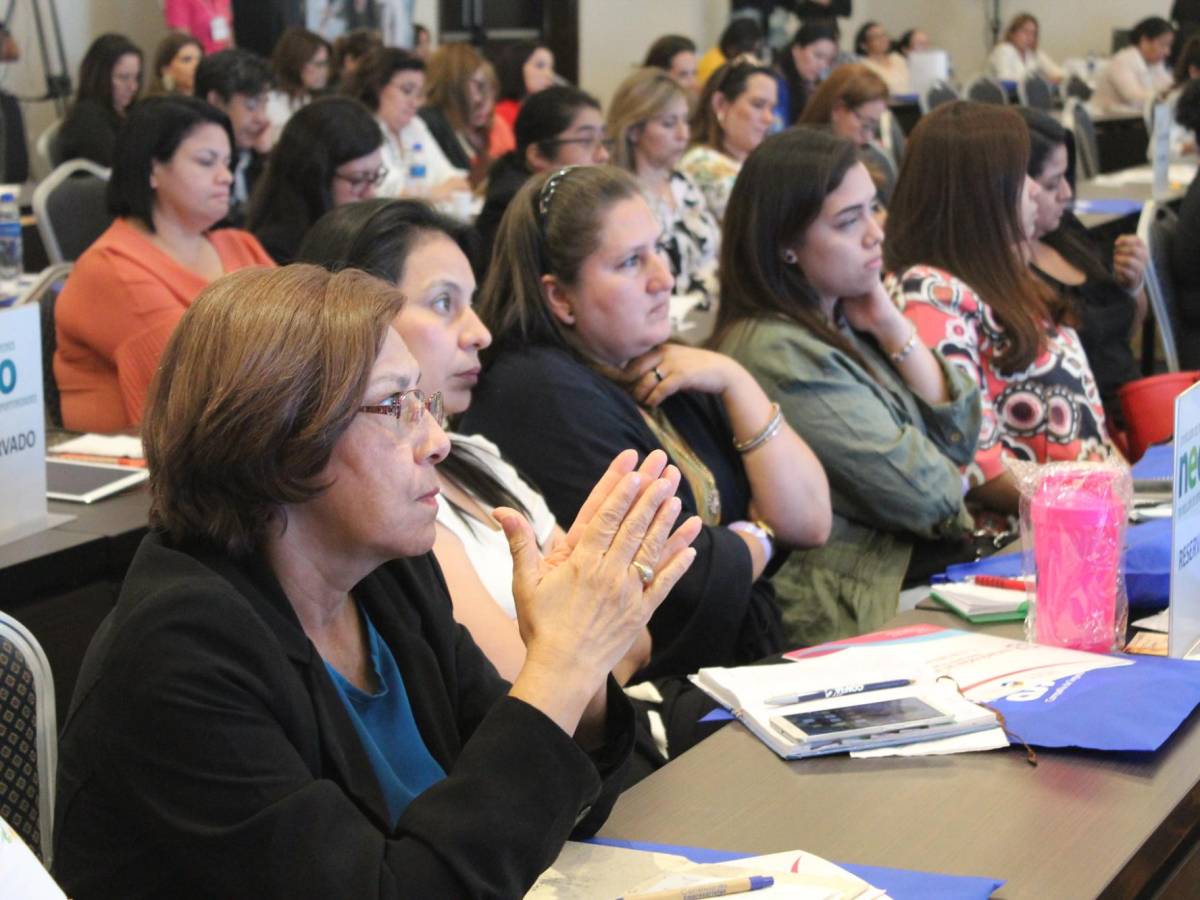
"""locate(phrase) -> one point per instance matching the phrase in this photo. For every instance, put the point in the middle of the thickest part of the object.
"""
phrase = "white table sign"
(1184, 629)
(22, 425)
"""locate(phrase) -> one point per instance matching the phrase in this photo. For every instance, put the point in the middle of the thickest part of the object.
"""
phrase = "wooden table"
(1079, 825)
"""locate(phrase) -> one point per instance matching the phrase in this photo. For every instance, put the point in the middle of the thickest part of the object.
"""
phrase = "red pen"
(1000, 581)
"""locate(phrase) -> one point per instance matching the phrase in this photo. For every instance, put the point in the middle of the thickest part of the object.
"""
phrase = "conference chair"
(1078, 121)
(1156, 228)
(47, 145)
(28, 738)
(71, 209)
(1078, 88)
(44, 292)
(938, 93)
(1035, 92)
(984, 89)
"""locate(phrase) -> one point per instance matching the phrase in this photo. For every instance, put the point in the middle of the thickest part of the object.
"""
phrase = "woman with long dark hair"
(523, 69)
(804, 310)
(110, 79)
(803, 63)
(330, 153)
(957, 247)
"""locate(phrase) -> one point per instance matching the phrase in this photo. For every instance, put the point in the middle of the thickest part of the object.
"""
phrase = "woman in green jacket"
(802, 308)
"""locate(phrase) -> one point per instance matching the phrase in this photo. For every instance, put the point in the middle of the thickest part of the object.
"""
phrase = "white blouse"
(487, 547)
(280, 107)
(397, 154)
(1127, 82)
(1007, 63)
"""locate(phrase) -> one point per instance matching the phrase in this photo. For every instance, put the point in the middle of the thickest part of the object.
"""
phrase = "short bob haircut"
(95, 72)
(168, 48)
(375, 70)
(531, 244)
(152, 133)
(1151, 28)
(643, 95)
(296, 48)
(848, 86)
(297, 186)
(730, 81)
(259, 381)
(232, 71)
(663, 51)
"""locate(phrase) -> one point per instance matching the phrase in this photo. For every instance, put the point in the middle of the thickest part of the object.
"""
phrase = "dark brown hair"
(955, 207)
(95, 72)
(730, 81)
(295, 49)
(531, 244)
(164, 55)
(262, 376)
(778, 194)
(850, 85)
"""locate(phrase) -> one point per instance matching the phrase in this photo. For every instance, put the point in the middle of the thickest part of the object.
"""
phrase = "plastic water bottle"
(418, 176)
(12, 263)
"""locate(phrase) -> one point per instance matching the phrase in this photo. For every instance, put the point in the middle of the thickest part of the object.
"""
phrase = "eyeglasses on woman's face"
(407, 410)
(360, 180)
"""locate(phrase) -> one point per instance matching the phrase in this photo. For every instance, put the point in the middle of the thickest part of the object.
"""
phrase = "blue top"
(385, 725)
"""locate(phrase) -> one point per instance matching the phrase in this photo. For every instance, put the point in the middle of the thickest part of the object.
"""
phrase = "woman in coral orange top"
(170, 185)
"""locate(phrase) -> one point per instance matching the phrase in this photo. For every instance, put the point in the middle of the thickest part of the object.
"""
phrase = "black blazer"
(207, 753)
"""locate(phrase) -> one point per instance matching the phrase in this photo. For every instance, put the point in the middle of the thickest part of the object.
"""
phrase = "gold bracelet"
(769, 431)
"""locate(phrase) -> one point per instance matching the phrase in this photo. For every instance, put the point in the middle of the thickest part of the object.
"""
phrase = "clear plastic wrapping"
(1073, 517)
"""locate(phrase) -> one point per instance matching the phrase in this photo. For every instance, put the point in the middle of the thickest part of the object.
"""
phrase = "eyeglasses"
(408, 408)
(360, 180)
(590, 142)
(871, 125)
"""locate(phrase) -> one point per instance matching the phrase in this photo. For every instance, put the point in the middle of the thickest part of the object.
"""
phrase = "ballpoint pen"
(830, 693)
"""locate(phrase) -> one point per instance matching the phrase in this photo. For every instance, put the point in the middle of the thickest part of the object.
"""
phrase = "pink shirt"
(196, 17)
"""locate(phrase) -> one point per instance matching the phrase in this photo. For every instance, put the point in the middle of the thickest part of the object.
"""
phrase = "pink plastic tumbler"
(1077, 525)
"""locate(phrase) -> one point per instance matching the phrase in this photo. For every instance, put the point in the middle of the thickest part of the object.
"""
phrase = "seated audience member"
(300, 64)
(741, 36)
(330, 153)
(390, 82)
(851, 102)
(1139, 73)
(560, 126)
(281, 704)
(735, 113)
(648, 125)
(577, 299)
(175, 63)
(169, 187)
(913, 41)
(208, 21)
(110, 78)
(425, 255)
(803, 63)
(1187, 68)
(459, 107)
(1018, 56)
(961, 218)
(804, 310)
(1185, 260)
(348, 51)
(874, 48)
(1107, 296)
(422, 42)
(236, 82)
(676, 55)
(524, 68)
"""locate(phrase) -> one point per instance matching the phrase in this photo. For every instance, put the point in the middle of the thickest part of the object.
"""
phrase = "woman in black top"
(577, 299)
(330, 153)
(1107, 293)
(110, 79)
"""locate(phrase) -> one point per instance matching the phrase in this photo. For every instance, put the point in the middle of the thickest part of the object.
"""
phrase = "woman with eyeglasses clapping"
(330, 153)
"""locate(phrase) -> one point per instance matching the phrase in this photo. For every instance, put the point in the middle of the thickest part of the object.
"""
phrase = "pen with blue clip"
(843, 691)
(711, 889)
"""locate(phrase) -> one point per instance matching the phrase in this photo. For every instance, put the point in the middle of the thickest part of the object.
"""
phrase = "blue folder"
(1156, 462)
(901, 884)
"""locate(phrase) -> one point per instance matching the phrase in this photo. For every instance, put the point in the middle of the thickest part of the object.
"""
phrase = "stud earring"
(789, 257)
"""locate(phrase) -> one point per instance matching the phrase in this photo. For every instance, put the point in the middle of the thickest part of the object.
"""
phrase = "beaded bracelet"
(902, 354)
(769, 431)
